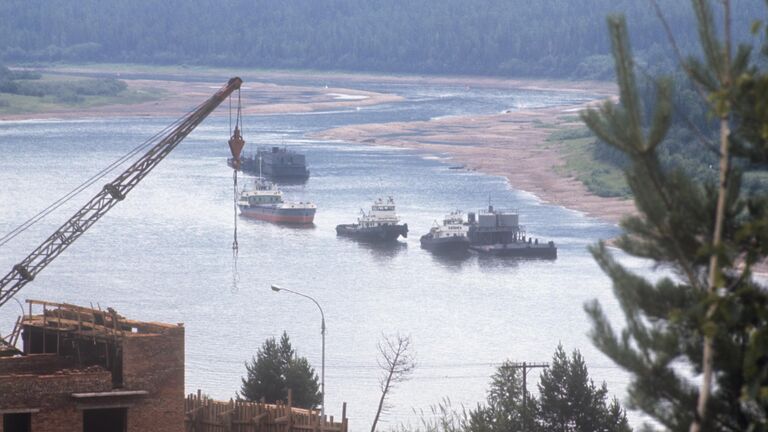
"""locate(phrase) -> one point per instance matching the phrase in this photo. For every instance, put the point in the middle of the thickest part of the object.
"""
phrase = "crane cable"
(235, 135)
(90, 181)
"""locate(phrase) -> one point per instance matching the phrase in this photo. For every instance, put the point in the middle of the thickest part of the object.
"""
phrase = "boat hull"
(279, 215)
(517, 250)
(275, 171)
(444, 244)
(382, 233)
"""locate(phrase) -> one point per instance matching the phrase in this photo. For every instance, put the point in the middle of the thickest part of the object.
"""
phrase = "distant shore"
(511, 144)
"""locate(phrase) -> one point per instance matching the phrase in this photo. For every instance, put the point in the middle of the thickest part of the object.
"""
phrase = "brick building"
(89, 370)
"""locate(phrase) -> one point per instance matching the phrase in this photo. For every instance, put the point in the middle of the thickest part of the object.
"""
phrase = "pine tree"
(300, 377)
(569, 401)
(277, 368)
(264, 375)
(504, 409)
(710, 316)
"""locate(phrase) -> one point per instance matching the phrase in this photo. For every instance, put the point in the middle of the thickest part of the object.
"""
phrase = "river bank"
(513, 144)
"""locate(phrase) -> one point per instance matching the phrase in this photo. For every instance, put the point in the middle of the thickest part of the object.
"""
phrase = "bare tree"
(396, 362)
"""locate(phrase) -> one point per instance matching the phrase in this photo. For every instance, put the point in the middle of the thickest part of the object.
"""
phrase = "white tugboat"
(449, 237)
(265, 202)
(381, 224)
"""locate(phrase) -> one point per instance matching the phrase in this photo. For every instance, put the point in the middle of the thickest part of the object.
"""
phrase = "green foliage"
(504, 409)
(569, 134)
(570, 401)
(79, 87)
(667, 320)
(28, 83)
(554, 38)
(28, 91)
(578, 148)
(8, 79)
(441, 418)
(275, 369)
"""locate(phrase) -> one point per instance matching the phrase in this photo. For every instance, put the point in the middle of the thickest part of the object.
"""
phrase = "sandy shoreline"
(259, 98)
(512, 144)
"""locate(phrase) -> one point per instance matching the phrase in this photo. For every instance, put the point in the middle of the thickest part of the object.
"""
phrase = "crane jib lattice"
(112, 193)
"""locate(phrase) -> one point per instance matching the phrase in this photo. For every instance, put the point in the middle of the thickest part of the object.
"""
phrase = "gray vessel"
(276, 163)
(381, 224)
(451, 236)
(498, 232)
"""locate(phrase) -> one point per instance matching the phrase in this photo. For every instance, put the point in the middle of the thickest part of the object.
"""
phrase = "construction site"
(90, 370)
(69, 368)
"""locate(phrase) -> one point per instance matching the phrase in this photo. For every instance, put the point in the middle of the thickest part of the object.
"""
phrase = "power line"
(525, 366)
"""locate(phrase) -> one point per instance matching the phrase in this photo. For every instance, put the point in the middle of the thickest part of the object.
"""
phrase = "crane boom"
(112, 193)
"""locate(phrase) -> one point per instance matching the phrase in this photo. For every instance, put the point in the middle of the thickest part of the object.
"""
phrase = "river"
(164, 253)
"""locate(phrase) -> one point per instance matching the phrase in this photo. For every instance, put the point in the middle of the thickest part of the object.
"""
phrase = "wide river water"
(164, 253)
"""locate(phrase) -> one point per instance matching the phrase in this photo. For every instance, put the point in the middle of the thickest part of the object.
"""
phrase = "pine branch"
(622, 128)
(720, 61)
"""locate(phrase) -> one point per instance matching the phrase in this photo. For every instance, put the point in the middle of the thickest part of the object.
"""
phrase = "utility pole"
(525, 366)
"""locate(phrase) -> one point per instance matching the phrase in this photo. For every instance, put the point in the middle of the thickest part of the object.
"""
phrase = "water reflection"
(485, 261)
(289, 181)
(284, 225)
(452, 260)
(380, 249)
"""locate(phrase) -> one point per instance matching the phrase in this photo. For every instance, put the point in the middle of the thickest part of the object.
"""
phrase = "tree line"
(553, 38)
(29, 83)
(568, 399)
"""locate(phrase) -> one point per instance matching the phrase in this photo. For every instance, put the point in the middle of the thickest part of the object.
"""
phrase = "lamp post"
(276, 288)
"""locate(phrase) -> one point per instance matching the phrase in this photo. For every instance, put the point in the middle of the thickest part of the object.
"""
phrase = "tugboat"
(276, 163)
(265, 202)
(378, 225)
(498, 232)
(451, 236)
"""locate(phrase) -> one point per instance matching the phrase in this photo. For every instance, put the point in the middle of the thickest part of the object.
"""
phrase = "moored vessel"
(276, 163)
(451, 236)
(498, 232)
(265, 202)
(381, 224)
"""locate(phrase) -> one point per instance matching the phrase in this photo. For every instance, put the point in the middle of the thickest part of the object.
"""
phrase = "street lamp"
(276, 288)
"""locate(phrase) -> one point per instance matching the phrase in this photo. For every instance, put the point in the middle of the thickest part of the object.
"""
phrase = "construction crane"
(114, 192)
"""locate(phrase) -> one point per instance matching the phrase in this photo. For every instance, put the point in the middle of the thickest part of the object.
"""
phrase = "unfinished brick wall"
(51, 394)
(97, 360)
(66, 419)
(155, 363)
(34, 391)
(37, 364)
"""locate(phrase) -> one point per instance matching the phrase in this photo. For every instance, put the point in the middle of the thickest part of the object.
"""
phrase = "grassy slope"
(577, 146)
(20, 104)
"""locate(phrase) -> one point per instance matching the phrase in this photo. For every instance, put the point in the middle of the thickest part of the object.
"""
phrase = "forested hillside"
(550, 38)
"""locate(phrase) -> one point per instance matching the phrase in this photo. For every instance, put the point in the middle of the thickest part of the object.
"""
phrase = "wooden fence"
(207, 415)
